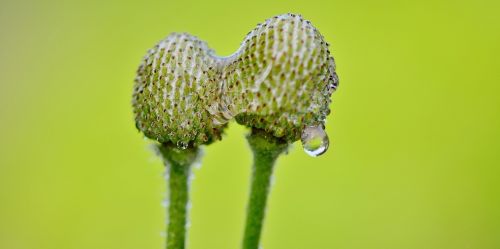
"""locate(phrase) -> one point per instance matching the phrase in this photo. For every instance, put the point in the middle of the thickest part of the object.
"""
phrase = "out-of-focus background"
(415, 129)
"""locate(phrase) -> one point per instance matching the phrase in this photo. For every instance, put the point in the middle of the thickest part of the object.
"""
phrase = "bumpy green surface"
(280, 80)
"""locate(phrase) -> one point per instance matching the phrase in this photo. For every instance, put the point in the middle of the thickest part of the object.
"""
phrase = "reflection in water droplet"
(314, 140)
(182, 145)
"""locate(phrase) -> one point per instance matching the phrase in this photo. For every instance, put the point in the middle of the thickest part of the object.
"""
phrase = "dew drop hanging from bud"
(314, 140)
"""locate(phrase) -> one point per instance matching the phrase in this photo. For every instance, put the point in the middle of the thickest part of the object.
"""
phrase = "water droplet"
(165, 203)
(314, 140)
(182, 145)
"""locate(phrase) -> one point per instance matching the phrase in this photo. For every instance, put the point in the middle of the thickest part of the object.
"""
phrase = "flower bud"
(287, 77)
(173, 89)
(280, 80)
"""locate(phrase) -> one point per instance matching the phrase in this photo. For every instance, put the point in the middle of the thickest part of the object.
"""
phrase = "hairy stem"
(266, 149)
(178, 163)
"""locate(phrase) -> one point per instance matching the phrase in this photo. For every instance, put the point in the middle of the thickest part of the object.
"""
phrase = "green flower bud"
(173, 89)
(280, 80)
(287, 78)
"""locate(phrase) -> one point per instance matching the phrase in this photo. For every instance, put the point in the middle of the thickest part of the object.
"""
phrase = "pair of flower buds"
(280, 80)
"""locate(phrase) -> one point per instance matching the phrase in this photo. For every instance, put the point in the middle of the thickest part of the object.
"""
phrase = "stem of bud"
(178, 163)
(266, 149)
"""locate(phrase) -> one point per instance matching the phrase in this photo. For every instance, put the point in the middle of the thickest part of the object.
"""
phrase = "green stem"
(178, 163)
(266, 149)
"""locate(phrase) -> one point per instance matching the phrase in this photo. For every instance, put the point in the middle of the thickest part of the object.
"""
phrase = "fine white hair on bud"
(280, 80)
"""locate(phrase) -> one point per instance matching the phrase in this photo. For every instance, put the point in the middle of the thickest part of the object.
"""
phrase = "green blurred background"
(415, 129)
